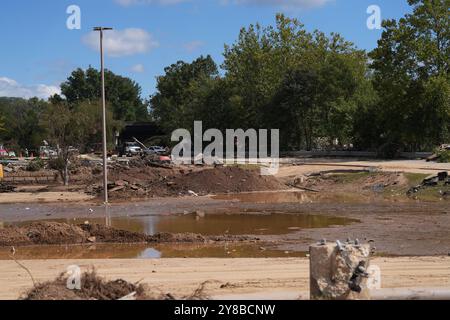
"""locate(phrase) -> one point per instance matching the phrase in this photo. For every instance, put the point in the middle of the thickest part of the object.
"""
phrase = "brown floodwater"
(142, 251)
(210, 224)
(216, 224)
(268, 197)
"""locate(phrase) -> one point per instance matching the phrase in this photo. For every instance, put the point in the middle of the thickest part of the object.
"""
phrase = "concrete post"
(338, 271)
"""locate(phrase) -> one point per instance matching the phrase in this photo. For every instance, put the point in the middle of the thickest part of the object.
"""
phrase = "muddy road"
(234, 279)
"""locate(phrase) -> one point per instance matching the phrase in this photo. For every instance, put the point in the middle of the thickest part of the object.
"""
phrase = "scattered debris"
(432, 181)
(4, 188)
(92, 288)
(192, 193)
(148, 181)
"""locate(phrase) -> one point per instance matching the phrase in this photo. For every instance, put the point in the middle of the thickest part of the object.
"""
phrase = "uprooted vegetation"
(92, 287)
(385, 184)
(138, 178)
(53, 233)
(431, 187)
(359, 182)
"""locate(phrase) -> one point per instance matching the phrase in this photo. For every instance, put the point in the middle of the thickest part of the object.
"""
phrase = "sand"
(44, 197)
(317, 165)
(226, 278)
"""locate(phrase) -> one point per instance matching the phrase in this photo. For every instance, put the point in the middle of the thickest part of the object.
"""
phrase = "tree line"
(320, 90)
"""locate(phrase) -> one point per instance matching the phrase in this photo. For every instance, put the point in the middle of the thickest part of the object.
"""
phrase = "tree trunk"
(66, 173)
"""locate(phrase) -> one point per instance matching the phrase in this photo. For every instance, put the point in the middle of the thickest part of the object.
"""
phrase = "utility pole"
(105, 147)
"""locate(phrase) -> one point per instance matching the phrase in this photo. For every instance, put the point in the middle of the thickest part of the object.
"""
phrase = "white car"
(132, 149)
(154, 150)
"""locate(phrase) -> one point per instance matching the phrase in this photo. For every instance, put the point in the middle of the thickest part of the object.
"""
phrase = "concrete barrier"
(338, 271)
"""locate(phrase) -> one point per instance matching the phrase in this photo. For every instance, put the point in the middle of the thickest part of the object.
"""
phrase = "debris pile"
(5, 188)
(442, 179)
(92, 287)
(441, 155)
(351, 181)
(161, 182)
(53, 233)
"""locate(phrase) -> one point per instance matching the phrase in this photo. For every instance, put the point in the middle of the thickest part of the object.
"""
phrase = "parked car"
(131, 149)
(46, 151)
(154, 150)
(3, 152)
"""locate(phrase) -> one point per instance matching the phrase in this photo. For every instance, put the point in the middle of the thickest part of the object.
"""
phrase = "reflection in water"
(294, 197)
(142, 251)
(150, 253)
(209, 224)
(266, 197)
(219, 224)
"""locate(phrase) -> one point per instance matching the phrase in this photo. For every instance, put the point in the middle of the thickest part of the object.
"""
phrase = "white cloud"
(138, 68)
(193, 45)
(118, 43)
(286, 4)
(127, 3)
(11, 88)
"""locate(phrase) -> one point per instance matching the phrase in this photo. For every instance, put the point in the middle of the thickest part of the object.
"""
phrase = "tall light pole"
(105, 147)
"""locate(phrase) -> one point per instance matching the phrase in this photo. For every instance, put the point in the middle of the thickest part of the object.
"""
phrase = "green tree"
(22, 127)
(257, 62)
(123, 94)
(179, 93)
(296, 109)
(68, 128)
(411, 75)
(265, 65)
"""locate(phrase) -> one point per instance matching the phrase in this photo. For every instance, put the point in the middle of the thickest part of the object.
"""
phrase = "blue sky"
(38, 51)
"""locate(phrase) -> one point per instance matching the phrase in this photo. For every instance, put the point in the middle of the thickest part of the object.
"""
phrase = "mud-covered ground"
(397, 227)
(235, 279)
(54, 233)
(375, 201)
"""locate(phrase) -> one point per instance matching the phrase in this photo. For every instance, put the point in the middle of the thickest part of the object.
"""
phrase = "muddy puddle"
(298, 197)
(215, 224)
(210, 224)
(125, 251)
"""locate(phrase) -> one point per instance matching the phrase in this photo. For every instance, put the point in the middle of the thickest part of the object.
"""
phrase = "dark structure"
(142, 131)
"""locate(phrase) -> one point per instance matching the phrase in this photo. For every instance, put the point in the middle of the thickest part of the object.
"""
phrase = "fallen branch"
(25, 268)
(303, 188)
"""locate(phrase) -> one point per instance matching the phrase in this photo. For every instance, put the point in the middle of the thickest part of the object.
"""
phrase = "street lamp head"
(102, 28)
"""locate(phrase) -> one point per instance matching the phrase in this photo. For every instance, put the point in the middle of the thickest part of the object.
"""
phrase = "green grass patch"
(415, 179)
(443, 156)
(345, 178)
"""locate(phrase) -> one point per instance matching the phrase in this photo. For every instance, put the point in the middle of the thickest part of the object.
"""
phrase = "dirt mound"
(226, 180)
(14, 237)
(178, 238)
(53, 233)
(44, 233)
(157, 182)
(92, 288)
(103, 234)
